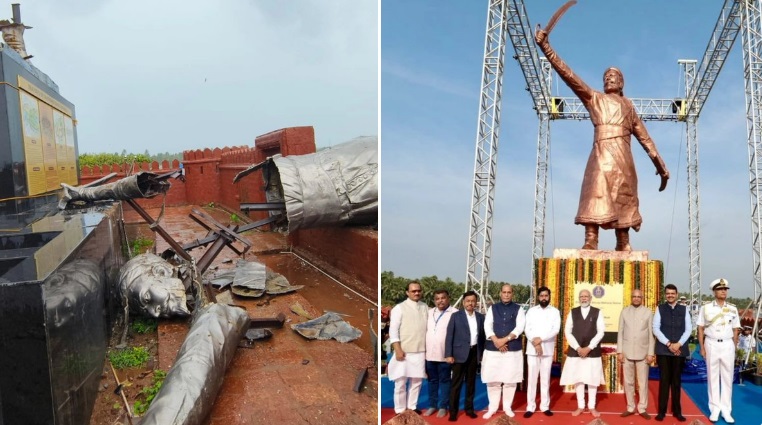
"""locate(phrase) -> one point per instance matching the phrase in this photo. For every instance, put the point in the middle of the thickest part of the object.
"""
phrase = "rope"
(674, 199)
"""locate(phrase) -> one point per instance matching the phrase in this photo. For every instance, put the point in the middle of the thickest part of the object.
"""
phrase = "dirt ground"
(109, 407)
(286, 379)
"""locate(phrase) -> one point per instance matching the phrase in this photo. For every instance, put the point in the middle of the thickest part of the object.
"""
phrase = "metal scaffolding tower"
(509, 16)
(485, 168)
(752, 61)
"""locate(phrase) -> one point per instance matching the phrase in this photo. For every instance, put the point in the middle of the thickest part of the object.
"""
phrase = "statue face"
(612, 81)
(151, 287)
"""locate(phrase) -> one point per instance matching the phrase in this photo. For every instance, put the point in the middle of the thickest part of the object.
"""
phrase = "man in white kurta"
(502, 362)
(543, 322)
(718, 325)
(583, 364)
(407, 334)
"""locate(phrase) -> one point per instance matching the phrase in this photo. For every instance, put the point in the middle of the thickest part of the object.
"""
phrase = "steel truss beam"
(752, 61)
(571, 108)
(485, 167)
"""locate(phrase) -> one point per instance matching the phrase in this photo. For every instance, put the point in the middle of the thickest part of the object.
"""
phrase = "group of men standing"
(446, 344)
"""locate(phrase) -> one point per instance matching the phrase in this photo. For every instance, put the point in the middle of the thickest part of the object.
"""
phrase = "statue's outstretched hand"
(664, 178)
(540, 36)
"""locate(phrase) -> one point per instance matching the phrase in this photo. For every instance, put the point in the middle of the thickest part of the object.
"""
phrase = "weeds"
(235, 219)
(141, 245)
(144, 325)
(129, 357)
(149, 393)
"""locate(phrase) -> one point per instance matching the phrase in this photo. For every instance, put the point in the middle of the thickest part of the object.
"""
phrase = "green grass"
(235, 219)
(144, 325)
(141, 245)
(149, 393)
(129, 357)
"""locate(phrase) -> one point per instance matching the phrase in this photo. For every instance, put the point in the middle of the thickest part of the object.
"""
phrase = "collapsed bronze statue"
(609, 195)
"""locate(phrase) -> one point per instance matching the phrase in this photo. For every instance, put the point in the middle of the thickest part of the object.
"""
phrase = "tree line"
(93, 159)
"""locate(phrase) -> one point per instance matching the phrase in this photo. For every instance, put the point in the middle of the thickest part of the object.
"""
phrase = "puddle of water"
(325, 294)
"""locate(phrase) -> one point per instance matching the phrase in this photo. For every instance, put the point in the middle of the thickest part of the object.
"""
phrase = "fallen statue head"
(151, 287)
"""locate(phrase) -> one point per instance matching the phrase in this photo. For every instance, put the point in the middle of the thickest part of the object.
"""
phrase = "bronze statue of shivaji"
(609, 195)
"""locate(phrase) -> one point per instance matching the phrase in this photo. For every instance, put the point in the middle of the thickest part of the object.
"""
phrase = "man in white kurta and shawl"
(583, 330)
(502, 361)
(407, 334)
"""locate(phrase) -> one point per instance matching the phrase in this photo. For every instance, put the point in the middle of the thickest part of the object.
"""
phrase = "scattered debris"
(359, 380)
(300, 311)
(327, 326)
(305, 361)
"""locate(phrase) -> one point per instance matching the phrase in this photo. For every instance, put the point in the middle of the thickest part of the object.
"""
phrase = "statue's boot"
(591, 237)
(623, 239)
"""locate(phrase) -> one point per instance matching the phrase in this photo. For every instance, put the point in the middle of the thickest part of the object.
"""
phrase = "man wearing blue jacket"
(464, 345)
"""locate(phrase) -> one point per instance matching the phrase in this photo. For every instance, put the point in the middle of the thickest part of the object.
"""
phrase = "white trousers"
(538, 365)
(406, 398)
(494, 390)
(720, 357)
(591, 393)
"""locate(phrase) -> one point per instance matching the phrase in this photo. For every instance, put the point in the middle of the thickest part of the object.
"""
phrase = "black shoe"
(660, 417)
(471, 414)
(418, 411)
(680, 417)
(528, 414)
(452, 418)
(548, 413)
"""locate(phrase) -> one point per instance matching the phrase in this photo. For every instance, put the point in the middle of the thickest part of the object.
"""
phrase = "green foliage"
(393, 289)
(116, 406)
(235, 219)
(144, 325)
(129, 357)
(141, 245)
(149, 393)
(210, 205)
(93, 159)
(740, 303)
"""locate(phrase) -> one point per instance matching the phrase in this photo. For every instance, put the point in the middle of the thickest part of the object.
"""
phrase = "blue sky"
(431, 63)
(176, 75)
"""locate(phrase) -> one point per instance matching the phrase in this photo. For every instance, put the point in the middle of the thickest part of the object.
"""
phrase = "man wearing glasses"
(407, 334)
(718, 326)
(635, 351)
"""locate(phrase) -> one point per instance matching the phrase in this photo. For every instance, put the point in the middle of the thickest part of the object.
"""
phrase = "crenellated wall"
(349, 254)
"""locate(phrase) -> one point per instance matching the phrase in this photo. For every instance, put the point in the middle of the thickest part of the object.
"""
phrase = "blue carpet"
(747, 401)
(480, 399)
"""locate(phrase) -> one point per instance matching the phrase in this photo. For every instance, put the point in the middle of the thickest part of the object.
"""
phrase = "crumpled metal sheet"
(327, 326)
(334, 186)
(191, 386)
(140, 185)
(251, 276)
(278, 284)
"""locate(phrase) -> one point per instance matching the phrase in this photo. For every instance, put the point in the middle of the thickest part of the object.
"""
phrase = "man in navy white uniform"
(718, 327)
(503, 363)
(543, 322)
